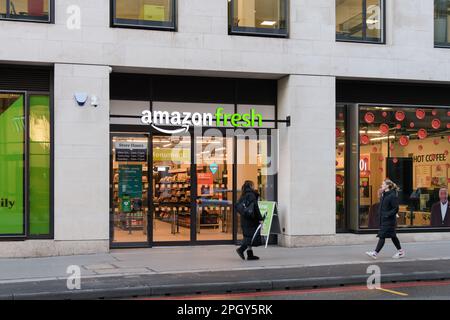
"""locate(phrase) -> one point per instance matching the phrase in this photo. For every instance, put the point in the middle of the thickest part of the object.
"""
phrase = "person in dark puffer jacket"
(249, 226)
(388, 211)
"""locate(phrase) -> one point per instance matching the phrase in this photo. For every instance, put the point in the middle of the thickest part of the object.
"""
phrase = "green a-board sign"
(268, 211)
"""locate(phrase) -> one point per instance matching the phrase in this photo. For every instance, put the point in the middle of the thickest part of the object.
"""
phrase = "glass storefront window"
(15, 219)
(158, 14)
(340, 167)
(360, 20)
(12, 164)
(172, 186)
(441, 25)
(411, 147)
(214, 158)
(257, 161)
(39, 165)
(28, 10)
(268, 17)
(130, 188)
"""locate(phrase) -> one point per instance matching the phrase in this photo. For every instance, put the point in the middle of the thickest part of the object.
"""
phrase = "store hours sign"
(131, 151)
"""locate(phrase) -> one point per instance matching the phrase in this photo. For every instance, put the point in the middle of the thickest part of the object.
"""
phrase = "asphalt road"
(430, 290)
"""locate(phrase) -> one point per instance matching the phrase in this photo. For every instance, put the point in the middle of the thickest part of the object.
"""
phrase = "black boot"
(240, 252)
(250, 255)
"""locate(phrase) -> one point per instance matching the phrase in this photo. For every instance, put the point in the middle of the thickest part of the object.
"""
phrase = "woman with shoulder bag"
(249, 222)
(388, 210)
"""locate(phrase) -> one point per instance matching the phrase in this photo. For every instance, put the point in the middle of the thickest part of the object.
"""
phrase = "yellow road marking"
(393, 292)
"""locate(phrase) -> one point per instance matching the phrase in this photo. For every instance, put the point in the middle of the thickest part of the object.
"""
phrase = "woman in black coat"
(388, 210)
(249, 225)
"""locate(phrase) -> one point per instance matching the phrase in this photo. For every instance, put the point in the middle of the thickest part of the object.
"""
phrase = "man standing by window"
(440, 211)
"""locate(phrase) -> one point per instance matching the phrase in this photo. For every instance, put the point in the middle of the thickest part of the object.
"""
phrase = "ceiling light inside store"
(382, 138)
(268, 23)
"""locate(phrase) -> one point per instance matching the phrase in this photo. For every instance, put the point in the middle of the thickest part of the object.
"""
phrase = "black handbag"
(245, 209)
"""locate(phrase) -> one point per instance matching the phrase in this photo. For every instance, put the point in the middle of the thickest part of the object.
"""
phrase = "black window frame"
(364, 38)
(27, 234)
(257, 32)
(441, 44)
(150, 25)
(24, 18)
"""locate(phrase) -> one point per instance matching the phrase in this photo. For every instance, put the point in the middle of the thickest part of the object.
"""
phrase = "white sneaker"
(400, 254)
(372, 254)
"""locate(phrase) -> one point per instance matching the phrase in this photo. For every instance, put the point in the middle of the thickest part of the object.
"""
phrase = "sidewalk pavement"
(187, 270)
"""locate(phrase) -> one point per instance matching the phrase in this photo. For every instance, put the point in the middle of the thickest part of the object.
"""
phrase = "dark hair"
(248, 186)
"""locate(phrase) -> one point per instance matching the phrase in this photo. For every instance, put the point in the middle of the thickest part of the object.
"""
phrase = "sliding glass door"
(181, 189)
(172, 188)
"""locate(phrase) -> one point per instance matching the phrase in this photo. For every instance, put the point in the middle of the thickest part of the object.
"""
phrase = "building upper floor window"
(152, 14)
(27, 10)
(360, 20)
(441, 23)
(258, 17)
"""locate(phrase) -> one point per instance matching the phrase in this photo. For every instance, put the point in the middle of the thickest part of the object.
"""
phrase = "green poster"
(11, 164)
(130, 181)
(267, 209)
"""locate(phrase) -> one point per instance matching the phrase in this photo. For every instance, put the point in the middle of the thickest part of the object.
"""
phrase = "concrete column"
(82, 157)
(306, 182)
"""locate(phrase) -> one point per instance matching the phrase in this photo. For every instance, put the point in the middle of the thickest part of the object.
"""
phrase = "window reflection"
(265, 16)
(25, 9)
(441, 25)
(157, 13)
(411, 147)
(359, 20)
(340, 167)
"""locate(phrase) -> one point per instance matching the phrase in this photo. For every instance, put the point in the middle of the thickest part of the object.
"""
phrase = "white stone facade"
(306, 64)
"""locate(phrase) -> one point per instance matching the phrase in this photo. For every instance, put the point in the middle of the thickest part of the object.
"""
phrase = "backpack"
(246, 208)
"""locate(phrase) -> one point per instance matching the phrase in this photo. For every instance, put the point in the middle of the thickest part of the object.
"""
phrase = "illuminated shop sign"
(184, 120)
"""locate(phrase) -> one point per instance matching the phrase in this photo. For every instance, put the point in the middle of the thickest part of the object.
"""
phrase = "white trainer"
(372, 254)
(400, 254)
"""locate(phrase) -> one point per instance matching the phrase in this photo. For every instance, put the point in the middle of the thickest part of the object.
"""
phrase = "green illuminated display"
(39, 165)
(12, 152)
(13, 165)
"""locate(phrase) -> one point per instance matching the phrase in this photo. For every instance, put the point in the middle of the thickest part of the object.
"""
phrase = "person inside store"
(440, 211)
(251, 219)
(388, 212)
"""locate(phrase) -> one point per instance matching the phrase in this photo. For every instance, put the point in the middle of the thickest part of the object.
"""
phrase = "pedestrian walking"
(251, 220)
(388, 211)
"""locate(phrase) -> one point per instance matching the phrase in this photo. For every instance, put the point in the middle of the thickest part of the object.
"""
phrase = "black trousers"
(245, 245)
(382, 241)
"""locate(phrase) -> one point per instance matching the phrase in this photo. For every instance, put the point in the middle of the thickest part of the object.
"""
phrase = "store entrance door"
(129, 189)
(172, 198)
(151, 189)
(181, 189)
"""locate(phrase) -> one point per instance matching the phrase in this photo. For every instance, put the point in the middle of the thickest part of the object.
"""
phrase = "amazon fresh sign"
(185, 120)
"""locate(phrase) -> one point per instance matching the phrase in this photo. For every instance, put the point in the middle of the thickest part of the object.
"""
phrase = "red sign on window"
(364, 165)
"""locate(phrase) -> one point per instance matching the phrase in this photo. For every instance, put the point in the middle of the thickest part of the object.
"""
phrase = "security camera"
(94, 101)
(110, 69)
